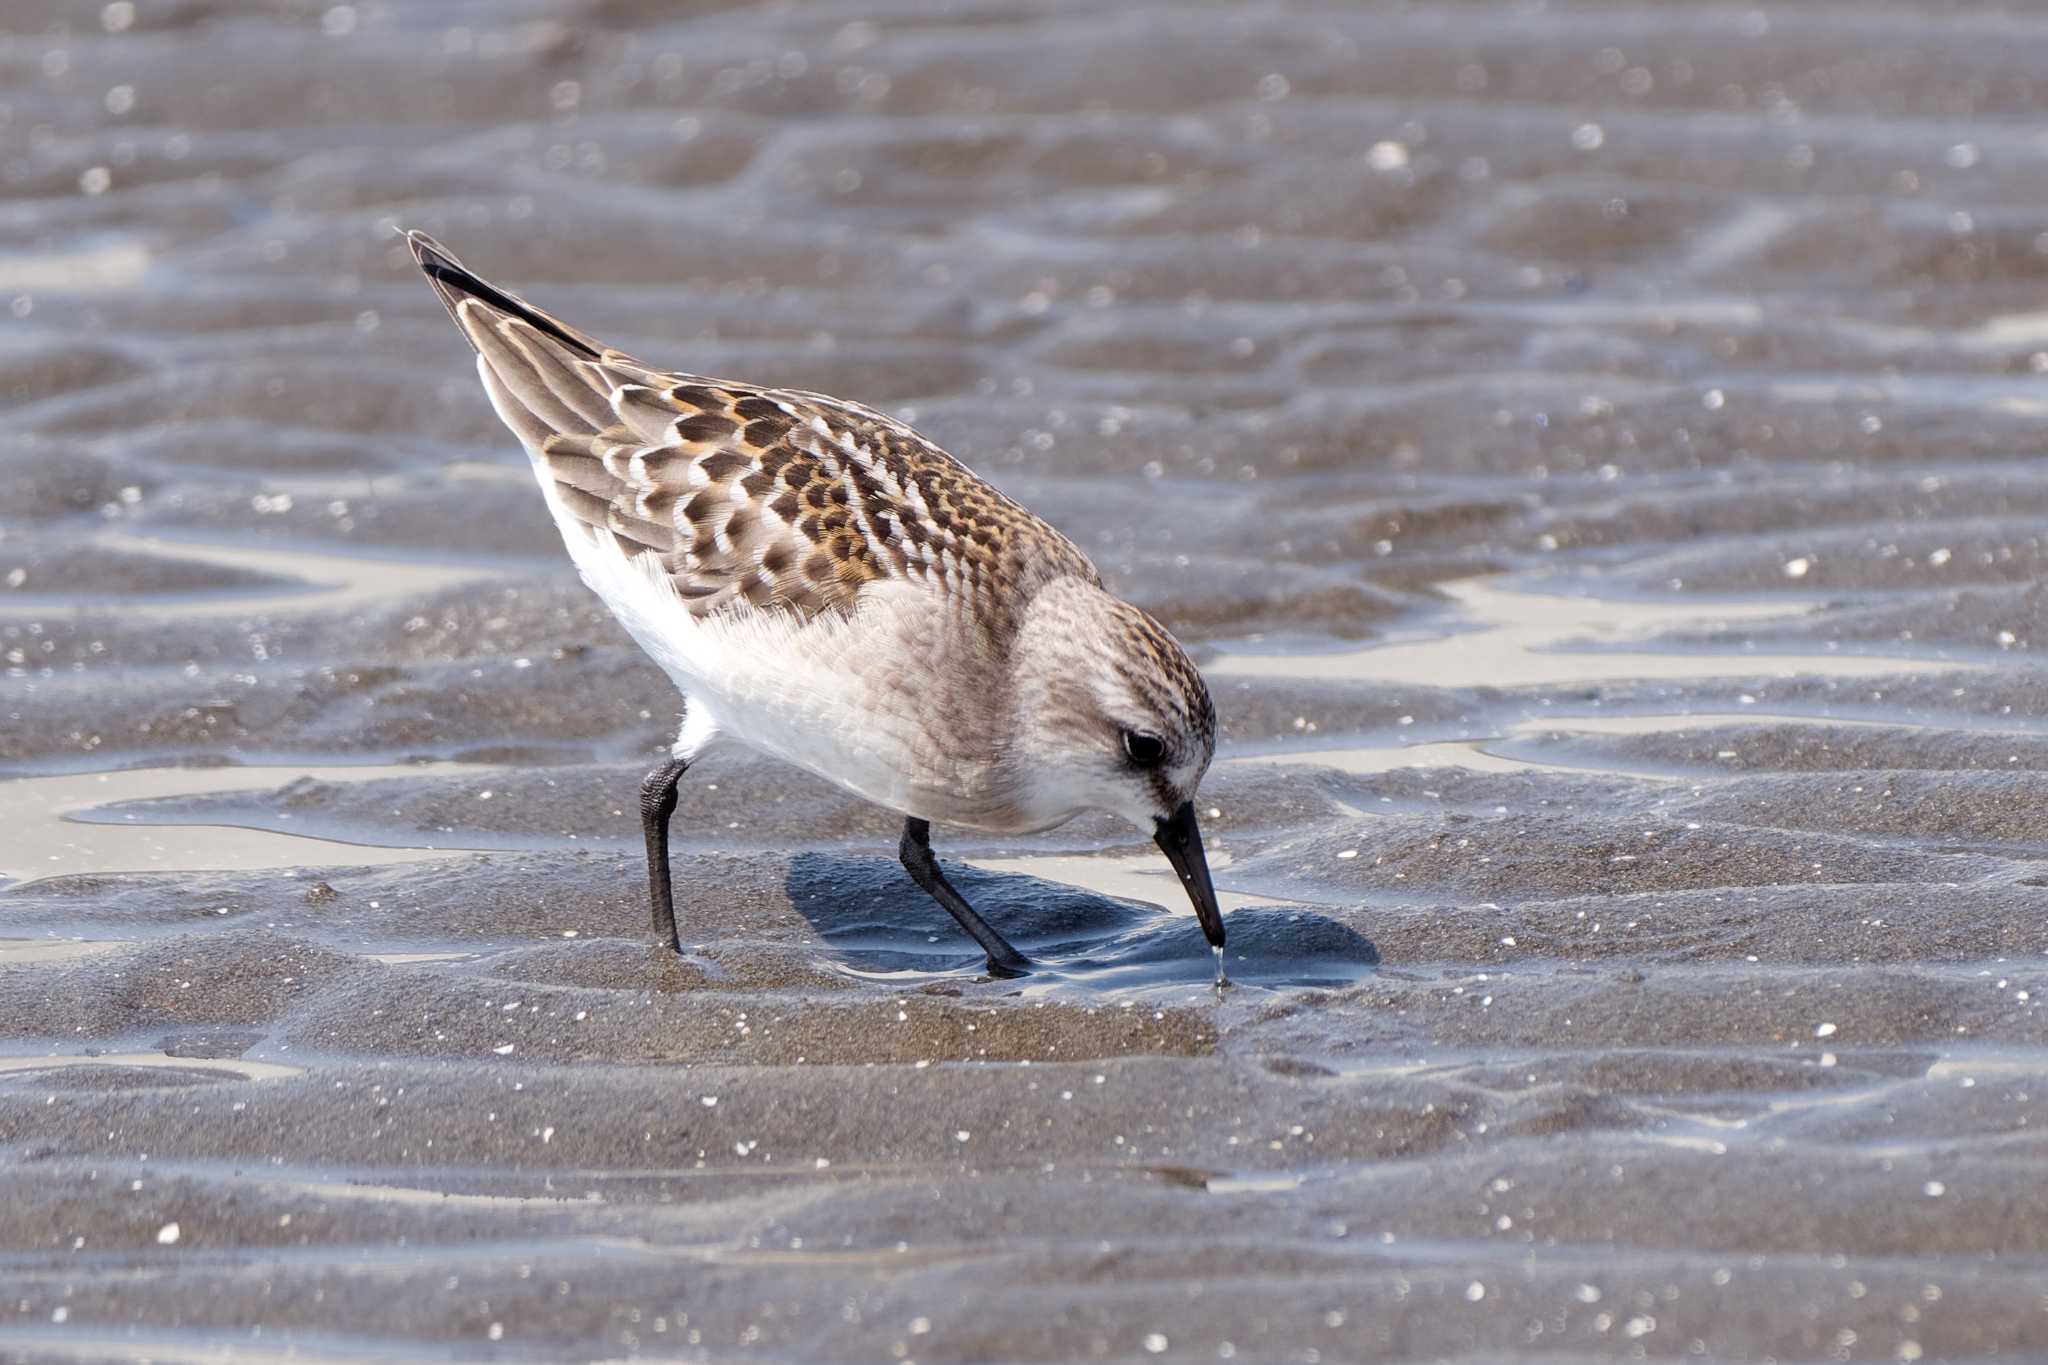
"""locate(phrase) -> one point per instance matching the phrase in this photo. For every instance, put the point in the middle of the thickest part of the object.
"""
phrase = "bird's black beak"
(1180, 839)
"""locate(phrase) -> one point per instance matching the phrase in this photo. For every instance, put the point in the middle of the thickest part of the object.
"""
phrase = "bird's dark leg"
(916, 852)
(657, 803)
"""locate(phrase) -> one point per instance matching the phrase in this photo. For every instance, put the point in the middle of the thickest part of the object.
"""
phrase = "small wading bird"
(825, 585)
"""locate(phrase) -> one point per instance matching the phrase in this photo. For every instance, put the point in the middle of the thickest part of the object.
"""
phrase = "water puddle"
(318, 581)
(1684, 1142)
(15, 952)
(45, 836)
(1497, 636)
(108, 265)
(1254, 1182)
(414, 1194)
(1970, 1066)
(1641, 725)
(164, 1346)
(230, 1068)
(490, 471)
(1496, 753)
(1469, 754)
(2005, 332)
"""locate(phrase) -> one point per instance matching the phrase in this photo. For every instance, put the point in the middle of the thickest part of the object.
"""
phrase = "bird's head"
(1113, 716)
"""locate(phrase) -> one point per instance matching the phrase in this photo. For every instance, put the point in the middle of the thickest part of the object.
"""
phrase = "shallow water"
(1591, 447)
(52, 829)
(1513, 638)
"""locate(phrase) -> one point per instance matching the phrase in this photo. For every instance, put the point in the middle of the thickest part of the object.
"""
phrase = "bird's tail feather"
(454, 283)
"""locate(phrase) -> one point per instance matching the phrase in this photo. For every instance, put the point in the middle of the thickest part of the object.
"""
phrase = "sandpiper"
(827, 586)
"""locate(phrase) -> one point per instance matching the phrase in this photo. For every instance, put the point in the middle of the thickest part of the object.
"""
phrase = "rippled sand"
(1593, 449)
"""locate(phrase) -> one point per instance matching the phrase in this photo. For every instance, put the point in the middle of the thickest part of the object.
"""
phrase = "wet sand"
(1592, 448)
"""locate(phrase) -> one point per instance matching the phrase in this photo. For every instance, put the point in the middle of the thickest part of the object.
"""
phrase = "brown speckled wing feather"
(771, 497)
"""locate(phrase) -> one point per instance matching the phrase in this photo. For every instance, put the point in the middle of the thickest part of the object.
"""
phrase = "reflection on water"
(105, 265)
(1494, 635)
(1496, 752)
(318, 581)
(21, 951)
(1469, 754)
(1142, 877)
(44, 835)
(223, 1068)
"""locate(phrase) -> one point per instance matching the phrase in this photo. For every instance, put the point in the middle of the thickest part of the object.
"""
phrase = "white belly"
(841, 696)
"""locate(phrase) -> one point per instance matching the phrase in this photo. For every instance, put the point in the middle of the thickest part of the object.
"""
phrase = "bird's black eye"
(1147, 751)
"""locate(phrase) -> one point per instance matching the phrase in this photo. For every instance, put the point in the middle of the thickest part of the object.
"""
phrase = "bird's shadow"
(880, 923)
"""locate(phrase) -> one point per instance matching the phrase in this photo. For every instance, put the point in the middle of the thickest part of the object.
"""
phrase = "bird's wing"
(770, 497)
